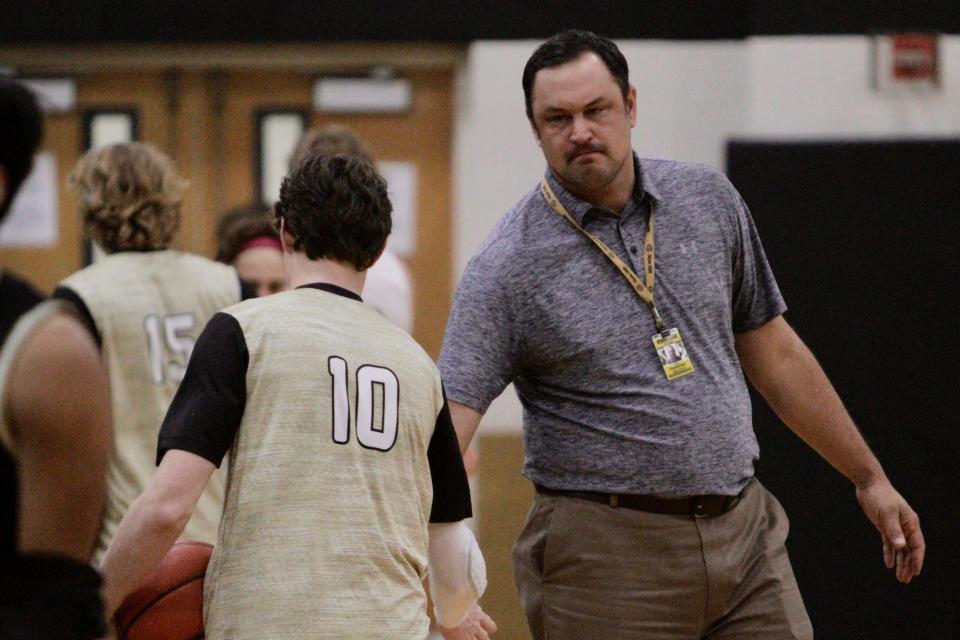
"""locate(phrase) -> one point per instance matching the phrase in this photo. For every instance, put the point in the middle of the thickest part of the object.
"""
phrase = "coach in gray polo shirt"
(624, 298)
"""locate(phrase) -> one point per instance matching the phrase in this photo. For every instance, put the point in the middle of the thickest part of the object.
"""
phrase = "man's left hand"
(899, 527)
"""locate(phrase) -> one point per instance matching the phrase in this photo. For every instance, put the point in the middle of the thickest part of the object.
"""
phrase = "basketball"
(168, 605)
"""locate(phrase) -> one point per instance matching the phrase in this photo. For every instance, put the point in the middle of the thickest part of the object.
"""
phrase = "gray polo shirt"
(540, 306)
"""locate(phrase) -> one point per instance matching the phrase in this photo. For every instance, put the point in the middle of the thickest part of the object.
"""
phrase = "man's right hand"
(477, 626)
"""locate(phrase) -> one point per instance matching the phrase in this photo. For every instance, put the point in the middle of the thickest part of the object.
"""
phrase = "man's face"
(582, 123)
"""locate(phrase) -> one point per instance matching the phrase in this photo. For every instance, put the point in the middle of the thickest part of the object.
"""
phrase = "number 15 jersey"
(147, 310)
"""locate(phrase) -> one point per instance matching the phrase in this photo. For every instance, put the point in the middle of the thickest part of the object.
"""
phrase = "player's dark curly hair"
(569, 45)
(21, 128)
(240, 225)
(336, 208)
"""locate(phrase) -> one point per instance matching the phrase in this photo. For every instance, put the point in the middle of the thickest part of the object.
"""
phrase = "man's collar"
(579, 208)
(643, 183)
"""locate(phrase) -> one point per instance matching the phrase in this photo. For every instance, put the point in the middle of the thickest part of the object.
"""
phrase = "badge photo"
(672, 353)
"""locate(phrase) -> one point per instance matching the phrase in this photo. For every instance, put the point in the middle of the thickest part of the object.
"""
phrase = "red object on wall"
(914, 57)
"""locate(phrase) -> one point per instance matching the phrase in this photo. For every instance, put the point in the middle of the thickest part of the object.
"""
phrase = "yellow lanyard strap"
(643, 289)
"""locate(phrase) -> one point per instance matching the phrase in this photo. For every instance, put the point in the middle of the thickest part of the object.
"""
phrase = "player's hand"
(899, 527)
(477, 626)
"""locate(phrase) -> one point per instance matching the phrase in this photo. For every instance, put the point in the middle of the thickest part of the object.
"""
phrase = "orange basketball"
(168, 605)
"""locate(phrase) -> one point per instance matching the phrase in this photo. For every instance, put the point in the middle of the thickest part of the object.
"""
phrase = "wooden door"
(141, 94)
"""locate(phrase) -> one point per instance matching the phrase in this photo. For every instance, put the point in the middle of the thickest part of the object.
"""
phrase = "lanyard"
(643, 289)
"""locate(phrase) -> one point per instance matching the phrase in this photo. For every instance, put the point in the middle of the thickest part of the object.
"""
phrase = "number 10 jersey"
(341, 451)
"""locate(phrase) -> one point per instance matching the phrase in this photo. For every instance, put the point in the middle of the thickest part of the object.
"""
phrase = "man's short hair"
(570, 45)
(240, 225)
(330, 140)
(129, 197)
(21, 129)
(336, 208)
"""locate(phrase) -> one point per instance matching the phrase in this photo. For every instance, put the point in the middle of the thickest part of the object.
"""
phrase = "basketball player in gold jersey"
(54, 433)
(346, 483)
(145, 304)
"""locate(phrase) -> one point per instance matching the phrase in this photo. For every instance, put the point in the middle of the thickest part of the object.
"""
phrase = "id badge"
(673, 355)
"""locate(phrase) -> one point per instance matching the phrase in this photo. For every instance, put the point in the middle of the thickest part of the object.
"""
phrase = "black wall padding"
(68, 21)
(863, 238)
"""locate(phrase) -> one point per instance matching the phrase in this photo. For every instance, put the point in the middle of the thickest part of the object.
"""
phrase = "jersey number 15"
(169, 345)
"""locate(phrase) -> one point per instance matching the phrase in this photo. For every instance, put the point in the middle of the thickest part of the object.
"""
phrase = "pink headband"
(261, 241)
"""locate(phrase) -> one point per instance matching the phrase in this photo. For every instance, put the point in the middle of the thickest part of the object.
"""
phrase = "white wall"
(693, 97)
(821, 87)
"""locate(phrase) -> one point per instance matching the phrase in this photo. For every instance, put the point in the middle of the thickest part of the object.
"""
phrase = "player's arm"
(197, 432)
(458, 578)
(788, 376)
(458, 574)
(153, 523)
(59, 409)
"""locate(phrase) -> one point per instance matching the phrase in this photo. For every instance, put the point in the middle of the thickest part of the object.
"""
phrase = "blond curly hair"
(129, 197)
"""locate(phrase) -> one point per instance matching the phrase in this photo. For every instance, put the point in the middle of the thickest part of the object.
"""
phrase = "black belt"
(703, 506)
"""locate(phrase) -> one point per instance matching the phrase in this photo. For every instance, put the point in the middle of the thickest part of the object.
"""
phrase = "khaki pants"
(589, 571)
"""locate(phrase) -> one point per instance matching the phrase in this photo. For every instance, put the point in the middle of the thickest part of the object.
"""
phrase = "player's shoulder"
(91, 272)
(268, 309)
(392, 343)
(413, 348)
(418, 364)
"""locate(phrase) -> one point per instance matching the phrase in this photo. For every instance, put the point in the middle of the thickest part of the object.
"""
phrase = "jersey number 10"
(381, 437)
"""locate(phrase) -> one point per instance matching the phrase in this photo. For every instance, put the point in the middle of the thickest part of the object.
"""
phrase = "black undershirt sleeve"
(451, 492)
(208, 407)
(71, 296)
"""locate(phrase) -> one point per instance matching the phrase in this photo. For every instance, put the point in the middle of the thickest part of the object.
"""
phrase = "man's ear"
(536, 132)
(631, 104)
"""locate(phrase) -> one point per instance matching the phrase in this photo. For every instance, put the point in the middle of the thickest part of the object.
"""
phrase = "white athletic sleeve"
(458, 574)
